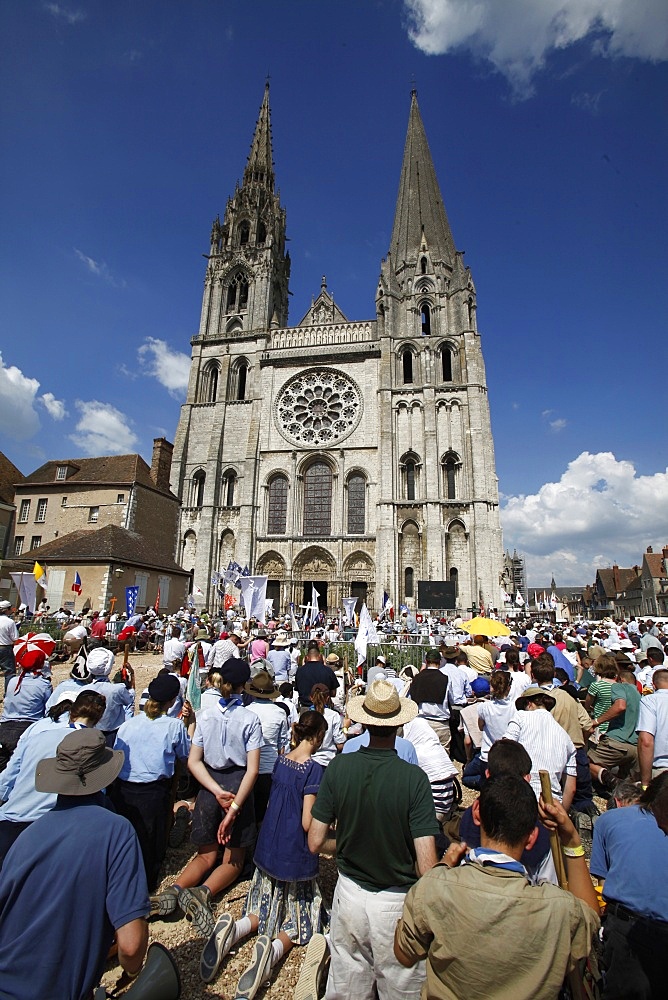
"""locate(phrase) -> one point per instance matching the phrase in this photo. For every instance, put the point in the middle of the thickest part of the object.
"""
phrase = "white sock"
(277, 951)
(242, 928)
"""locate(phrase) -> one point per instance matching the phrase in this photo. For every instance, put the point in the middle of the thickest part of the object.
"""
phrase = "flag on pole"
(519, 600)
(40, 575)
(131, 595)
(365, 634)
(314, 603)
(254, 595)
(193, 688)
(293, 620)
(349, 607)
(76, 586)
(156, 606)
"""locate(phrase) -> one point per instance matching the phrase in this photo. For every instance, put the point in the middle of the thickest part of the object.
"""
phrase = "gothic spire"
(260, 164)
(420, 210)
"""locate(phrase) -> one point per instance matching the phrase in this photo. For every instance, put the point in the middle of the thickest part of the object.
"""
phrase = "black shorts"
(208, 814)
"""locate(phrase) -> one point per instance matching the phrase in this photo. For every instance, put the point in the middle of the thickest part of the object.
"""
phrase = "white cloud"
(170, 368)
(99, 269)
(54, 407)
(19, 418)
(599, 512)
(558, 424)
(516, 36)
(103, 430)
(65, 13)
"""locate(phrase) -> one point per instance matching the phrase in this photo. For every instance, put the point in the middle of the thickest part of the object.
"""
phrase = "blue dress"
(284, 893)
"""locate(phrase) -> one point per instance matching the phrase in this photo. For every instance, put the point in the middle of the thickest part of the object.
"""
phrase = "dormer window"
(61, 472)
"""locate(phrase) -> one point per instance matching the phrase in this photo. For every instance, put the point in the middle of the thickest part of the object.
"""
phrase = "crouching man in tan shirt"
(486, 932)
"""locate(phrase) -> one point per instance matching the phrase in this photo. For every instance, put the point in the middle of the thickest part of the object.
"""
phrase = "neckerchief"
(225, 703)
(487, 856)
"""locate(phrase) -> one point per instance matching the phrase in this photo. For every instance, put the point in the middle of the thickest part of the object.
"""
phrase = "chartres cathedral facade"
(353, 455)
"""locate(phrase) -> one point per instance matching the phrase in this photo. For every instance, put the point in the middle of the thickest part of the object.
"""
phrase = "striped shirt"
(551, 749)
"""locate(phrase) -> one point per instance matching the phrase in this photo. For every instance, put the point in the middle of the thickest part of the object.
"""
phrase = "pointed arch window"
(278, 505)
(423, 265)
(356, 504)
(209, 385)
(242, 378)
(409, 585)
(425, 319)
(197, 489)
(244, 233)
(261, 233)
(410, 479)
(237, 293)
(229, 486)
(450, 465)
(318, 499)
(446, 363)
(407, 367)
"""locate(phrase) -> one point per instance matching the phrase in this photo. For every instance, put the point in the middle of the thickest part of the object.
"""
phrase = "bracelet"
(234, 806)
(643, 788)
(573, 852)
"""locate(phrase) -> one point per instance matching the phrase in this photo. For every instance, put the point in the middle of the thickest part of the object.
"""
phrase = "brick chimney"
(615, 577)
(161, 463)
(650, 550)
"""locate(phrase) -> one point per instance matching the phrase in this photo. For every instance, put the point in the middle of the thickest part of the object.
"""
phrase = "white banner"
(254, 595)
(365, 634)
(314, 603)
(26, 585)
(349, 605)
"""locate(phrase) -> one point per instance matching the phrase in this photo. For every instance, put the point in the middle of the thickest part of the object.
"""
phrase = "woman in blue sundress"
(284, 902)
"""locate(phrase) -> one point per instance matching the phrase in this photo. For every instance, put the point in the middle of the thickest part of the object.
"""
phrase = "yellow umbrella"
(485, 626)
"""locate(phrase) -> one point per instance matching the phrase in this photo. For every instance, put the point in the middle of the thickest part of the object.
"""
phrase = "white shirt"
(333, 737)
(459, 684)
(8, 630)
(78, 632)
(222, 651)
(519, 682)
(173, 650)
(653, 719)
(432, 757)
(496, 715)
(549, 746)
(275, 735)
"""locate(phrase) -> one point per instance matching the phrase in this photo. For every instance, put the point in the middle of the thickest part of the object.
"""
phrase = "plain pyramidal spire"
(260, 165)
(420, 212)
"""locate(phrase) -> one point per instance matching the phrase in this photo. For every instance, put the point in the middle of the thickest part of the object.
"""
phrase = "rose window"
(318, 408)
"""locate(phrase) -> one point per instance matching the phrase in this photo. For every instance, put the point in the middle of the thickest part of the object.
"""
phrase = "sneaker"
(314, 965)
(258, 972)
(165, 903)
(179, 827)
(584, 825)
(608, 779)
(196, 904)
(217, 947)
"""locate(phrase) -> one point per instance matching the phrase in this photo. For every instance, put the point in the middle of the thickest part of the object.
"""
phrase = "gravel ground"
(177, 934)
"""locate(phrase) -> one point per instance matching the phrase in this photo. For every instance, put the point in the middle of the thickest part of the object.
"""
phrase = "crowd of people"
(272, 747)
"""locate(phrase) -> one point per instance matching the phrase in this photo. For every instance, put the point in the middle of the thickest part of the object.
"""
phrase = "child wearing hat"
(26, 696)
(225, 759)
(152, 743)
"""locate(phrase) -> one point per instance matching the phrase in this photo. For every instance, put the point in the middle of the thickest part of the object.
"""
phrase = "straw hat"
(530, 693)
(382, 706)
(280, 639)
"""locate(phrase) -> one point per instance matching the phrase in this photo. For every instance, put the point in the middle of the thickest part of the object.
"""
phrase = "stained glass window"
(356, 505)
(318, 499)
(278, 505)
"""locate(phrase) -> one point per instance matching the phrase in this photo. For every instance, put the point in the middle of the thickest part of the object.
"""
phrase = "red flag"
(76, 586)
(156, 606)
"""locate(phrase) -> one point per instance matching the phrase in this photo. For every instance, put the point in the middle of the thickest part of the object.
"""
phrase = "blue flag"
(131, 595)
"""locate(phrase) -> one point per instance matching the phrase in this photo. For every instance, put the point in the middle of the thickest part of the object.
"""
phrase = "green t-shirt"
(623, 727)
(381, 804)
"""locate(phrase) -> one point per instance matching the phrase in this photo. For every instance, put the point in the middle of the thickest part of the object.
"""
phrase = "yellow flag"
(38, 571)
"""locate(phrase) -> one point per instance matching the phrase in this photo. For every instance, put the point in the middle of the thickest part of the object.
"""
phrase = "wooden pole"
(555, 846)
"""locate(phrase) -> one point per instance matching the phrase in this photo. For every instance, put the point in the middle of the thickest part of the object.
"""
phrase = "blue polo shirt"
(404, 748)
(89, 882)
(630, 851)
(151, 747)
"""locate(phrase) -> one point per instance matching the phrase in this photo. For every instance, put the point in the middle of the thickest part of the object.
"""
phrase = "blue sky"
(125, 127)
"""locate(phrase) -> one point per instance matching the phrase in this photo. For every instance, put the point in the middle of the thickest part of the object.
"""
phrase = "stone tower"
(354, 455)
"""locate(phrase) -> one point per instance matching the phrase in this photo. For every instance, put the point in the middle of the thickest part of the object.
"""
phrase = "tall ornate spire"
(260, 164)
(420, 210)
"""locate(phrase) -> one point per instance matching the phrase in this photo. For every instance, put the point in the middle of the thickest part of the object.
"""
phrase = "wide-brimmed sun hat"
(531, 693)
(381, 706)
(280, 639)
(83, 765)
(262, 686)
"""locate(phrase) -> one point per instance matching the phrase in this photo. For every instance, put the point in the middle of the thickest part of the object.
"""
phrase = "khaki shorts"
(609, 752)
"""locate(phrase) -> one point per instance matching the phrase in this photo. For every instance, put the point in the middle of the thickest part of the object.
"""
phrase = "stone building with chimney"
(355, 455)
(113, 520)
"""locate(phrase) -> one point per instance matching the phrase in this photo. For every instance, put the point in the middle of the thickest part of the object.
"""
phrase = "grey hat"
(262, 686)
(4, 605)
(83, 765)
